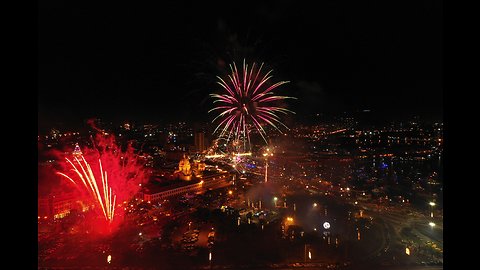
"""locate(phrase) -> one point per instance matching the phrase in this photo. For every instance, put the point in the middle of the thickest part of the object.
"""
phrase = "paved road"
(393, 220)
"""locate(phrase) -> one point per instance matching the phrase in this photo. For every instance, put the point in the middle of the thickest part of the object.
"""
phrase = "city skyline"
(326, 187)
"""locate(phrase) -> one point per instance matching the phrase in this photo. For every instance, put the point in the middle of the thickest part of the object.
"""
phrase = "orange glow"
(214, 156)
(243, 154)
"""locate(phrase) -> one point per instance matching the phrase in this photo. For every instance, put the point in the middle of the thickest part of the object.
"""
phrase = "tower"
(199, 141)
(77, 152)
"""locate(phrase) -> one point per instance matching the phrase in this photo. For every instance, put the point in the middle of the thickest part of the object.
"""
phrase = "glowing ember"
(248, 104)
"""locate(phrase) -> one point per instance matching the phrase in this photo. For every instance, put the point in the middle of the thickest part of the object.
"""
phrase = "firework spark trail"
(90, 183)
(247, 103)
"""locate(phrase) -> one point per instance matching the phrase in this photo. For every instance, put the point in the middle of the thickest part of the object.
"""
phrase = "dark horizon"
(153, 63)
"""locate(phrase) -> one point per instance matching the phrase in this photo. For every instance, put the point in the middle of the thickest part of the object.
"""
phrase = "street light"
(431, 224)
(314, 204)
(432, 204)
(189, 224)
(275, 199)
(210, 259)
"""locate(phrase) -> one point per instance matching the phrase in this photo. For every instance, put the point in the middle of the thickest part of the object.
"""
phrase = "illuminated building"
(59, 205)
(77, 152)
(187, 170)
(198, 168)
(184, 171)
(196, 179)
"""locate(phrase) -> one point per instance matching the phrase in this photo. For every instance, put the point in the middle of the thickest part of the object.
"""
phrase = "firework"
(248, 103)
(102, 196)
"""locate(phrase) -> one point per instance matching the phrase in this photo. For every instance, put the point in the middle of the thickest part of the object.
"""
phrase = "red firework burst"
(248, 103)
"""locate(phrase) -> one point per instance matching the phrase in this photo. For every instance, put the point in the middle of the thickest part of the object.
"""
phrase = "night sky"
(159, 62)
